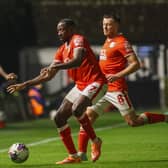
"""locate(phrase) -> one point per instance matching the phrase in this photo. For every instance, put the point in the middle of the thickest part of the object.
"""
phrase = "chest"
(109, 51)
(67, 54)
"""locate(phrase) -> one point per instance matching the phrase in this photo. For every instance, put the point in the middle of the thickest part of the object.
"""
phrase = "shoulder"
(60, 48)
(78, 40)
(121, 38)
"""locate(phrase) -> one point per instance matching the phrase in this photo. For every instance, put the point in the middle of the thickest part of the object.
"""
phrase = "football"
(18, 153)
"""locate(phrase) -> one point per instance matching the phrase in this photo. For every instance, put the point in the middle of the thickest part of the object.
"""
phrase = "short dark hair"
(68, 22)
(114, 16)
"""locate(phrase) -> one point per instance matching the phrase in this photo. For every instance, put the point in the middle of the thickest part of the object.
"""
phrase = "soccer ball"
(18, 153)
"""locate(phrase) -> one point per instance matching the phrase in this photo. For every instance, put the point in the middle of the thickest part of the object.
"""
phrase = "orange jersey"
(113, 60)
(89, 71)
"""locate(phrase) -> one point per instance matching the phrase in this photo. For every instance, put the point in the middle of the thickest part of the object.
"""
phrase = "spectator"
(144, 73)
(10, 77)
(37, 101)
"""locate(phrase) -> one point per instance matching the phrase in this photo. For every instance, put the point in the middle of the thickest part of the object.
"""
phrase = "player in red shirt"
(75, 55)
(117, 60)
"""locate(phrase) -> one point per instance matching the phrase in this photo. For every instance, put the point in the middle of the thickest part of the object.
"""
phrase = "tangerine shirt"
(113, 59)
(89, 71)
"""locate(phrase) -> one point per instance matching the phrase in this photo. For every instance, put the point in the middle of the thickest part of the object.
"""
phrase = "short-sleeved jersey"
(89, 71)
(113, 59)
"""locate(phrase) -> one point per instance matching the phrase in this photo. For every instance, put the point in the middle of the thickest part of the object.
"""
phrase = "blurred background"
(29, 41)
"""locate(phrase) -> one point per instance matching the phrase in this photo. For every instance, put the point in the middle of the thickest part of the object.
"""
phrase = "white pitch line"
(58, 138)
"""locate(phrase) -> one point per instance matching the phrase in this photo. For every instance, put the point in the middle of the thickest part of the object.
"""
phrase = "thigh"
(80, 105)
(121, 101)
(65, 109)
(73, 94)
(92, 90)
(100, 105)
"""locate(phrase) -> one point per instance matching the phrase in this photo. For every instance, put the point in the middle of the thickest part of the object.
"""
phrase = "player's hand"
(16, 87)
(44, 71)
(11, 76)
(48, 71)
(112, 77)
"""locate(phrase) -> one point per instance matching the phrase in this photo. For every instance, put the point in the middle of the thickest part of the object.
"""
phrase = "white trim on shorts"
(118, 99)
(89, 91)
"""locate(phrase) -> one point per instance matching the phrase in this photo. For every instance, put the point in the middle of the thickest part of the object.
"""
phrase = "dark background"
(25, 23)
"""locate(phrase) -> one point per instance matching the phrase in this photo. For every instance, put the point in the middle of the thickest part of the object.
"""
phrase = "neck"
(112, 36)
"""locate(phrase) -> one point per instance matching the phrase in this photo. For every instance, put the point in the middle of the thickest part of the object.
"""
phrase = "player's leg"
(93, 113)
(145, 118)
(83, 137)
(61, 117)
(79, 108)
(122, 102)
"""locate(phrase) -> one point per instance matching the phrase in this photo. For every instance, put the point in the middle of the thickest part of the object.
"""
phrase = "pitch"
(123, 146)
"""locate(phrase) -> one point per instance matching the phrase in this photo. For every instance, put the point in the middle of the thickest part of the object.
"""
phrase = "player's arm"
(133, 65)
(44, 76)
(78, 54)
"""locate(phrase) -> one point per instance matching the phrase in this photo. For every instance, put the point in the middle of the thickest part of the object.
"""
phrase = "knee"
(57, 117)
(77, 110)
(132, 123)
(92, 115)
(132, 120)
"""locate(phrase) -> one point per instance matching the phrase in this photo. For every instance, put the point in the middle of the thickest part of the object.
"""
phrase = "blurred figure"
(2, 119)
(7, 76)
(37, 101)
(11, 79)
(144, 73)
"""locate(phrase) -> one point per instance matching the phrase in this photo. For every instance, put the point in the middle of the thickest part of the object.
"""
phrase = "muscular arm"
(44, 76)
(2, 72)
(78, 54)
(133, 65)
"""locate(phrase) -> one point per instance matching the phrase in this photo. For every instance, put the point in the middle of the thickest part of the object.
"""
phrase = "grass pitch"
(123, 146)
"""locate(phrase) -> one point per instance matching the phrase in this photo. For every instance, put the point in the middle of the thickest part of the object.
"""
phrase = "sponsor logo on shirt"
(103, 55)
(78, 42)
(112, 44)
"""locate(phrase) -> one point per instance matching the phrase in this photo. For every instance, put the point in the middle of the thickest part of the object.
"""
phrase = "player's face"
(109, 27)
(63, 32)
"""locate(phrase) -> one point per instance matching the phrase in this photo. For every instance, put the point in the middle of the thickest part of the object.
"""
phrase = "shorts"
(118, 99)
(89, 91)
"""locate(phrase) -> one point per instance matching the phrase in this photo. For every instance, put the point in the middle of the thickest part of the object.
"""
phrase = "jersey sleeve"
(78, 42)
(125, 48)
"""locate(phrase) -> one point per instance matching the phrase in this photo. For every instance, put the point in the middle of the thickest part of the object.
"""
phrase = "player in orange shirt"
(75, 55)
(117, 60)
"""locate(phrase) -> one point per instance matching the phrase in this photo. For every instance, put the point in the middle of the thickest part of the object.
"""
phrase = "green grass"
(123, 146)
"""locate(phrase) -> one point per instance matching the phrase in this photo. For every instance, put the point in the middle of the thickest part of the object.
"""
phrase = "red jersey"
(89, 71)
(113, 60)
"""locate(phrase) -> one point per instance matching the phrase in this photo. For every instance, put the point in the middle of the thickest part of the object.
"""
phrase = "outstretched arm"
(44, 76)
(10, 76)
(78, 55)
